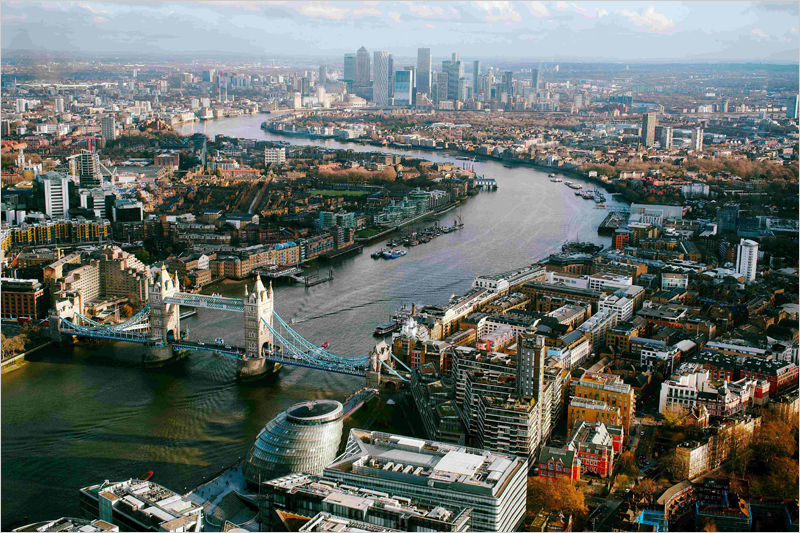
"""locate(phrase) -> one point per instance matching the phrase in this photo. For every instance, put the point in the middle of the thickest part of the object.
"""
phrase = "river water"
(82, 414)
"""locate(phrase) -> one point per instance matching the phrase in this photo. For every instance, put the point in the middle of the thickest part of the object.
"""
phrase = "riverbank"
(479, 157)
(15, 362)
(380, 236)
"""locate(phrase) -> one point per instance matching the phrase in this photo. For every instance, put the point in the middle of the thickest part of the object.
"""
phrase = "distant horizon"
(731, 32)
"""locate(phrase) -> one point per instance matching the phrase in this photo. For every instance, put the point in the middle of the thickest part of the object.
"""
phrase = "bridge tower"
(165, 318)
(258, 307)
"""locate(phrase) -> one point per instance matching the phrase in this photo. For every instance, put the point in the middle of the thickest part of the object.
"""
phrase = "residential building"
(649, 129)
(608, 388)
(24, 298)
(108, 128)
(89, 169)
(586, 410)
(696, 143)
(274, 155)
(621, 307)
(747, 259)
(56, 194)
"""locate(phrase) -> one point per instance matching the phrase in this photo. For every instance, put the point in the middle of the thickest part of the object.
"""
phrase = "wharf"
(347, 250)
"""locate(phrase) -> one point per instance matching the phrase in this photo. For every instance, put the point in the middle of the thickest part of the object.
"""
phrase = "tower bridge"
(268, 340)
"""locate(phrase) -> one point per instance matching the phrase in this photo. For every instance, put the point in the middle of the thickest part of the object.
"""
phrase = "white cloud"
(785, 39)
(92, 9)
(14, 18)
(324, 10)
(99, 20)
(650, 20)
(793, 30)
(368, 11)
(529, 37)
(758, 33)
(499, 12)
(562, 6)
(429, 25)
(538, 9)
(602, 13)
(395, 17)
(371, 4)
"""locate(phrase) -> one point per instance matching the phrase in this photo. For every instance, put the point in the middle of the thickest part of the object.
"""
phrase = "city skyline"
(661, 31)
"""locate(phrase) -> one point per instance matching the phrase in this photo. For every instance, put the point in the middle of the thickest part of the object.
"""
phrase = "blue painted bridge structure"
(268, 338)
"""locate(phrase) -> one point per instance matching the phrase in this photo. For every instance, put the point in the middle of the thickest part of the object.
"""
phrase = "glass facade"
(304, 438)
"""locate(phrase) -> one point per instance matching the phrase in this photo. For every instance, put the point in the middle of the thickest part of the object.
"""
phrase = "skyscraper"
(648, 129)
(59, 104)
(56, 194)
(664, 136)
(793, 107)
(108, 128)
(404, 87)
(390, 79)
(535, 79)
(476, 72)
(424, 70)
(362, 68)
(89, 169)
(508, 79)
(441, 86)
(696, 143)
(349, 73)
(746, 259)
(323, 74)
(455, 70)
(380, 85)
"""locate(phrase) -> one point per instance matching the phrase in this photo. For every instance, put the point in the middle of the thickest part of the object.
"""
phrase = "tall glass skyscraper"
(380, 85)
(349, 75)
(424, 70)
(362, 68)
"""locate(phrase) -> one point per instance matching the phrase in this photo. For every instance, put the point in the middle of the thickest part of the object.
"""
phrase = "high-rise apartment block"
(380, 84)
(274, 155)
(746, 259)
(89, 169)
(664, 136)
(56, 194)
(648, 129)
(696, 142)
(108, 128)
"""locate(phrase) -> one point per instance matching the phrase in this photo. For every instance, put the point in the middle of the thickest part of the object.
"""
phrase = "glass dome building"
(304, 438)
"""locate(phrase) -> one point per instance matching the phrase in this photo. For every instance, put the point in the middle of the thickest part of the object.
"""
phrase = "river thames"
(82, 414)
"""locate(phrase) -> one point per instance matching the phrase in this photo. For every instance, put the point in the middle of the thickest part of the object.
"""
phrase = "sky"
(607, 31)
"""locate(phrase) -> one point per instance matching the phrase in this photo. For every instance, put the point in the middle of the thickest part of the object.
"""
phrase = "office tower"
(390, 78)
(56, 194)
(476, 72)
(424, 70)
(413, 71)
(108, 128)
(508, 79)
(648, 129)
(455, 70)
(89, 169)
(323, 74)
(349, 73)
(441, 86)
(362, 68)
(461, 94)
(380, 85)
(492, 484)
(535, 79)
(792, 109)
(305, 86)
(729, 217)
(59, 104)
(746, 259)
(664, 136)
(134, 73)
(304, 438)
(404, 87)
(208, 75)
(696, 143)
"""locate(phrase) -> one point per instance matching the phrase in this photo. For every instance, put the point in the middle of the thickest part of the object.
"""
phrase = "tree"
(555, 495)
(626, 464)
(675, 416)
(646, 489)
(672, 465)
(15, 344)
(127, 311)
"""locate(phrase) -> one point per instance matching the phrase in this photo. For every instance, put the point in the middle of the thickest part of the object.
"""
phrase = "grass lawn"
(369, 232)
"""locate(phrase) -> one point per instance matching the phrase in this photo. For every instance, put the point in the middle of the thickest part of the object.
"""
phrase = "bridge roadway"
(276, 356)
(219, 303)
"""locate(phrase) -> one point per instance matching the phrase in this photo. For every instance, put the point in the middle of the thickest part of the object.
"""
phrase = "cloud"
(99, 20)
(92, 9)
(499, 12)
(14, 18)
(429, 25)
(432, 11)
(793, 8)
(793, 30)
(758, 33)
(650, 20)
(538, 9)
(395, 17)
(323, 10)
(529, 37)
(368, 11)
(562, 6)
(602, 13)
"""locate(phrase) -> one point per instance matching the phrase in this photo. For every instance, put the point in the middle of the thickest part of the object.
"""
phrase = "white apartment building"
(746, 259)
(274, 155)
(619, 305)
